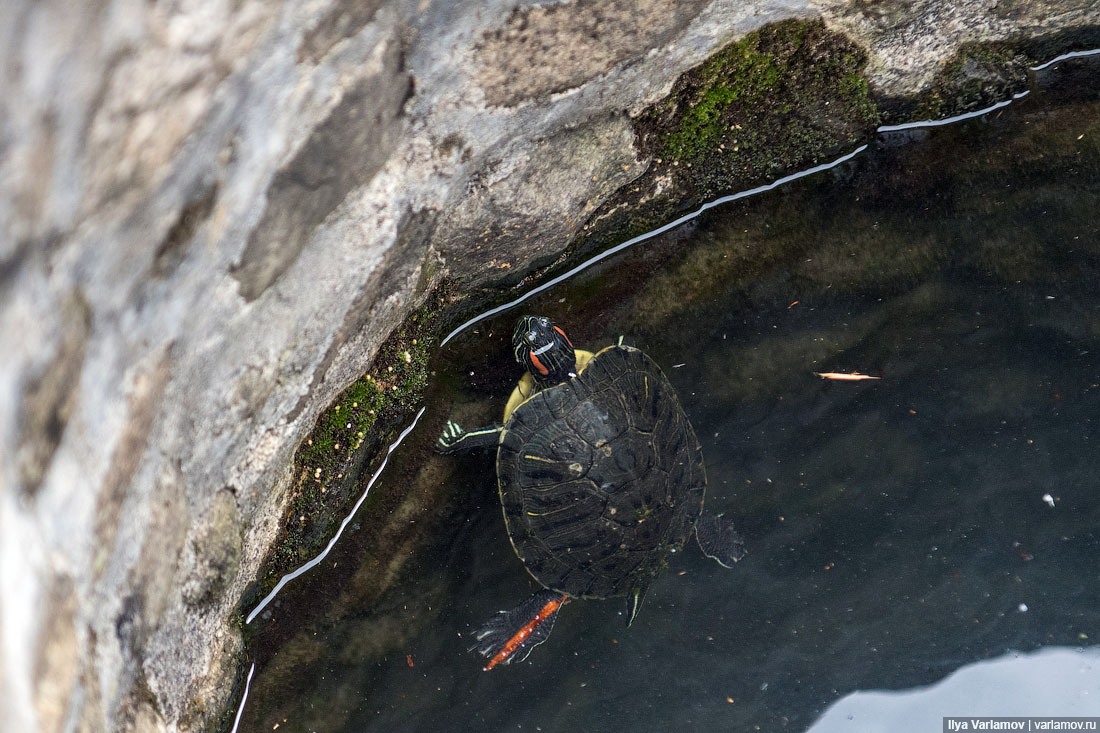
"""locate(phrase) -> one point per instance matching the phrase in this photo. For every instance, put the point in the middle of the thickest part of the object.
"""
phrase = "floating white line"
(649, 235)
(316, 561)
(751, 192)
(1063, 57)
(952, 120)
(240, 708)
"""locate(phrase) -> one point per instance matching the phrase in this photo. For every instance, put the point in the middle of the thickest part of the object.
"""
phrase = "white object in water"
(1049, 500)
(1051, 681)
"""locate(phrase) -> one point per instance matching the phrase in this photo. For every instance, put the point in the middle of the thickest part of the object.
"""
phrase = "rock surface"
(213, 215)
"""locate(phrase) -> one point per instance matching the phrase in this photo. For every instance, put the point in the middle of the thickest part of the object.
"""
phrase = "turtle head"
(541, 346)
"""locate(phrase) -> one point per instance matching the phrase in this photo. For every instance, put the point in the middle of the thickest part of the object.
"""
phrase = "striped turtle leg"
(456, 440)
(718, 539)
(511, 635)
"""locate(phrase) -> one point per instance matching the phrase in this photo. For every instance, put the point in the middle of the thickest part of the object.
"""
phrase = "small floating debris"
(1049, 500)
(845, 376)
(1022, 608)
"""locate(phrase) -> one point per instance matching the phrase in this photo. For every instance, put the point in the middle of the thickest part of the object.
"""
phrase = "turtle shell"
(601, 477)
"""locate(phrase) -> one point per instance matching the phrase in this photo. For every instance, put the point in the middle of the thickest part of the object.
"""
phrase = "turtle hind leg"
(456, 440)
(718, 539)
(511, 635)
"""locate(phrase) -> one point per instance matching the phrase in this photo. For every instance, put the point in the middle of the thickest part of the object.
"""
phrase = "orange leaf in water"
(845, 376)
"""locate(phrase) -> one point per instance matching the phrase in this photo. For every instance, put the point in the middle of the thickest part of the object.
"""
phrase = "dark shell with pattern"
(601, 477)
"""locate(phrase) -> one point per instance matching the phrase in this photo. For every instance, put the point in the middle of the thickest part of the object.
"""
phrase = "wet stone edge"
(792, 70)
(983, 74)
(786, 97)
(336, 458)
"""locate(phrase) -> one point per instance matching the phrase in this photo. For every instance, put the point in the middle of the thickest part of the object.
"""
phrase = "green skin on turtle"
(601, 477)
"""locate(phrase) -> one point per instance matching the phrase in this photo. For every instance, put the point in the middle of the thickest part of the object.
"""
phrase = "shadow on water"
(897, 528)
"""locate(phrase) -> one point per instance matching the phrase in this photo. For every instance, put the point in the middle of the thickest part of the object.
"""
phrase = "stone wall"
(213, 213)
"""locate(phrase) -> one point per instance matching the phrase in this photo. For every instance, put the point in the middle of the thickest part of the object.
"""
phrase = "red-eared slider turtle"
(600, 477)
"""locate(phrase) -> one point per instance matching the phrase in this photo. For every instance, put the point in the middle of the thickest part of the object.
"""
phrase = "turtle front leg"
(718, 539)
(511, 635)
(456, 440)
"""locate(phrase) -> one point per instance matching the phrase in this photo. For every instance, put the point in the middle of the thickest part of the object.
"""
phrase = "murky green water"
(897, 528)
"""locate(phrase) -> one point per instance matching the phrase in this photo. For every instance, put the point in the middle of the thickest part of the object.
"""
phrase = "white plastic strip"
(649, 235)
(347, 520)
(1063, 57)
(952, 120)
(240, 708)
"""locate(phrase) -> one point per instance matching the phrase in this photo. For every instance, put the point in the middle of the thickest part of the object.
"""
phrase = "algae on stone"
(783, 96)
(329, 463)
(786, 96)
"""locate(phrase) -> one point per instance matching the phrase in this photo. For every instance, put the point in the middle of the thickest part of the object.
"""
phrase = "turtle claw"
(452, 434)
(454, 439)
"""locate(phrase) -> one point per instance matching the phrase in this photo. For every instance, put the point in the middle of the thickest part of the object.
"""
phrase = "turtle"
(600, 476)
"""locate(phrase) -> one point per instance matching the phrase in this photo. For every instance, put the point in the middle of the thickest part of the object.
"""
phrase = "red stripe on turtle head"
(558, 329)
(538, 364)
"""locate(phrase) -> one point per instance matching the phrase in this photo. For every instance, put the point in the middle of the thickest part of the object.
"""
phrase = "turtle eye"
(531, 336)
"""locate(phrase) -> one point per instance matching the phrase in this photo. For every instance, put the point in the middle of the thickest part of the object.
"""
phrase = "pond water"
(900, 531)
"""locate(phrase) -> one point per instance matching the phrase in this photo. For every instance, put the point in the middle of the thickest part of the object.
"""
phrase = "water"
(897, 529)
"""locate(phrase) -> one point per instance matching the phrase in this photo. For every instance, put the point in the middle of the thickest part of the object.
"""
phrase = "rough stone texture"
(214, 212)
(908, 40)
(344, 152)
(544, 49)
(537, 190)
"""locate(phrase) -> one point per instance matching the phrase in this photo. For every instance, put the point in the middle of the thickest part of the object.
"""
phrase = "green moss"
(396, 383)
(740, 73)
(785, 97)
(854, 88)
(331, 462)
(782, 96)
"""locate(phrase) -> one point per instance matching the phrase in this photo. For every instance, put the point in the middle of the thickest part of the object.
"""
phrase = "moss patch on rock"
(331, 464)
(786, 95)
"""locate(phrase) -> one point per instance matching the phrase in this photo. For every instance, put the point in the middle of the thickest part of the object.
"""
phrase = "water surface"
(897, 528)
